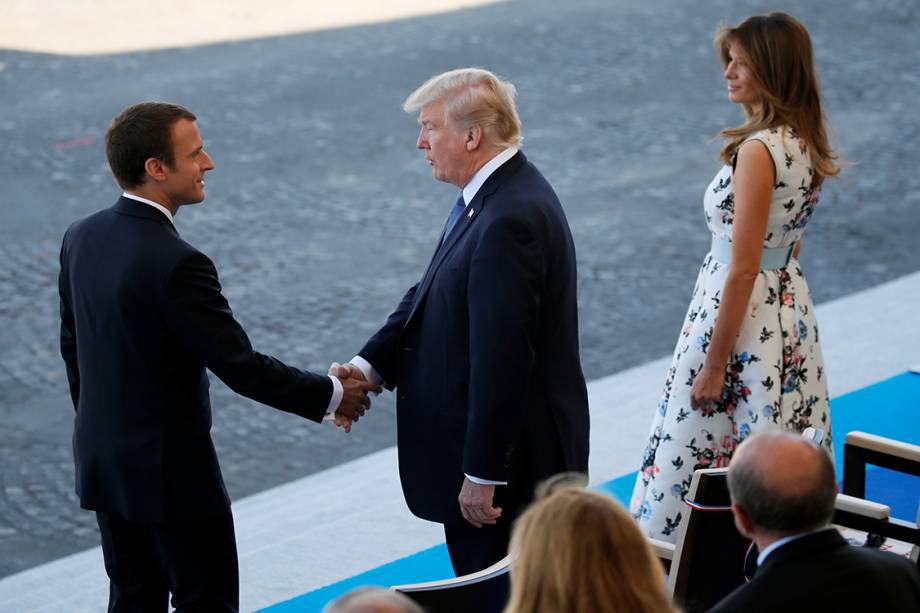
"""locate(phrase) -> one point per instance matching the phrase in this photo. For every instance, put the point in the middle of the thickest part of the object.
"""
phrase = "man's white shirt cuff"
(337, 393)
(479, 481)
(369, 373)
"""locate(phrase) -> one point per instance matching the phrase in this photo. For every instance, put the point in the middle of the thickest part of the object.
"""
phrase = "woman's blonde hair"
(777, 49)
(473, 96)
(581, 552)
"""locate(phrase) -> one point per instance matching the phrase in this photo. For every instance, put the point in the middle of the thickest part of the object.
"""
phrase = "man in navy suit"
(142, 317)
(483, 351)
(783, 490)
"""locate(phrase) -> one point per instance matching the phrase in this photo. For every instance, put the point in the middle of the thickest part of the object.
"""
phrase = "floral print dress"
(774, 376)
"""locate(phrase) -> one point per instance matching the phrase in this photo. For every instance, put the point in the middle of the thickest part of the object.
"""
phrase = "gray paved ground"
(320, 213)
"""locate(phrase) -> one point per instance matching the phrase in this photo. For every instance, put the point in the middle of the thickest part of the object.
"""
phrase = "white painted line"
(351, 518)
(870, 335)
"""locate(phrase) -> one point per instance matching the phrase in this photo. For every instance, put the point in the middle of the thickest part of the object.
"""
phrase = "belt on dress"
(771, 258)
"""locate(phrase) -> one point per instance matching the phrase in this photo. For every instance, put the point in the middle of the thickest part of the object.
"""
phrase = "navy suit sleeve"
(505, 289)
(200, 316)
(68, 334)
(382, 350)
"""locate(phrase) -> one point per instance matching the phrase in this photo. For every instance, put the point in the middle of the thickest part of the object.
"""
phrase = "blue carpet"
(427, 565)
(620, 488)
(899, 491)
(890, 408)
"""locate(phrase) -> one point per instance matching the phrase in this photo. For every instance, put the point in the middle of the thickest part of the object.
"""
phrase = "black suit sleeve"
(200, 316)
(505, 290)
(68, 335)
(382, 350)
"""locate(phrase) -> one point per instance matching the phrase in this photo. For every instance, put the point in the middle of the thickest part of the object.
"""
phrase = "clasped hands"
(355, 387)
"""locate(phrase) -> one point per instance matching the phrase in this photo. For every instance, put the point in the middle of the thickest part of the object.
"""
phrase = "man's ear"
(742, 521)
(473, 137)
(156, 169)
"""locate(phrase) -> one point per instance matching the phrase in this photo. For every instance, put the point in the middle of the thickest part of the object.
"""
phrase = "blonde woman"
(580, 551)
(748, 355)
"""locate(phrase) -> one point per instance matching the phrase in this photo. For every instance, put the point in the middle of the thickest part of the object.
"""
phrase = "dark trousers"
(472, 549)
(196, 562)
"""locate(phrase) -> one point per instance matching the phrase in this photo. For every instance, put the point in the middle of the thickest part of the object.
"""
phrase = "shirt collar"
(155, 205)
(783, 541)
(469, 191)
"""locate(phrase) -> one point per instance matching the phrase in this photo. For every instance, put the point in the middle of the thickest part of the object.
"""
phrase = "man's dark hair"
(772, 504)
(140, 132)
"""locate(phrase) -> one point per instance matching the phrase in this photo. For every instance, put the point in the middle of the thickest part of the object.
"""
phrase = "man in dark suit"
(483, 351)
(783, 490)
(142, 317)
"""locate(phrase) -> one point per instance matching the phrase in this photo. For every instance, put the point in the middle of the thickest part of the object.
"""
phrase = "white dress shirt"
(155, 205)
(337, 391)
(472, 188)
(469, 192)
(783, 541)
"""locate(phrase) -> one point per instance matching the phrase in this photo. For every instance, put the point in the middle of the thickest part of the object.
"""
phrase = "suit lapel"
(470, 215)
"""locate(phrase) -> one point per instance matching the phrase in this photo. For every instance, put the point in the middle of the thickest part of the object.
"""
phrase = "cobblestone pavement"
(321, 213)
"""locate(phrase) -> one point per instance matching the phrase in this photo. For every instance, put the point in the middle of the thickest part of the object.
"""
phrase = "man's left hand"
(476, 503)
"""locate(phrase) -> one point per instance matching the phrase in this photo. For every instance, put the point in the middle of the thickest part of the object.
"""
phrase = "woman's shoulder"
(773, 138)
(786, 147)
(783, 138)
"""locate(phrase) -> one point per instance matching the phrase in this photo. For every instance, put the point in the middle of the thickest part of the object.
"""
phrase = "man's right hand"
(355, 388)
(347, 370)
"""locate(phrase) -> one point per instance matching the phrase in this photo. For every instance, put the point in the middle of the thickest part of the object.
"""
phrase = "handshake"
(355, 387)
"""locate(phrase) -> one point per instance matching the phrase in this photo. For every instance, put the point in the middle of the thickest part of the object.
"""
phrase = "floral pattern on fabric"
(775, 374)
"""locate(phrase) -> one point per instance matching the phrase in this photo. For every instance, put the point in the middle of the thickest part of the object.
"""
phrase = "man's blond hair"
(473, 97)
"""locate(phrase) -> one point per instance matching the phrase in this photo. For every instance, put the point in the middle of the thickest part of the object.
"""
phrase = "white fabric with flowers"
(775, 374)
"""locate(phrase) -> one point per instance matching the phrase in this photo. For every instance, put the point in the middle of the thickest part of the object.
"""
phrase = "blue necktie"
(455, 212)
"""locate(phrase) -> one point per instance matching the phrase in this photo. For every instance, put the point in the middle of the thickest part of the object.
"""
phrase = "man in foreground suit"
(142, 316)
(483, 351)
(783, 489)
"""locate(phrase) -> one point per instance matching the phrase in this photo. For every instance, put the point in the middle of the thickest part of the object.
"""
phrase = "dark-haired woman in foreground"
(747, 356)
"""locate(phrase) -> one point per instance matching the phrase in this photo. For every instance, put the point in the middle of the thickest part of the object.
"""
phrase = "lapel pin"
(470, 214)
